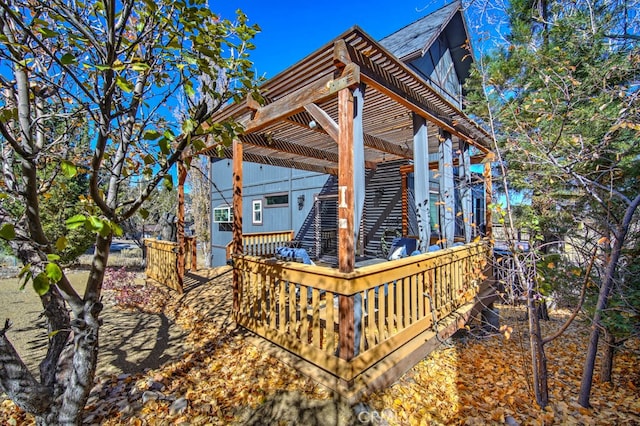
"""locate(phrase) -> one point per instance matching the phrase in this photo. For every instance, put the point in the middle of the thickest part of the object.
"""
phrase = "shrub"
(119, 285)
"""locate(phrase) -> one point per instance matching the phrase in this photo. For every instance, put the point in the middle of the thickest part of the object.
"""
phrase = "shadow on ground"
(293, 408)
(130, 341)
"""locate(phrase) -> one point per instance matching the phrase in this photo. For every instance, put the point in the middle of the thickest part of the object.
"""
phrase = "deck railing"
(301, 307)
(162, 261)
(263, 243)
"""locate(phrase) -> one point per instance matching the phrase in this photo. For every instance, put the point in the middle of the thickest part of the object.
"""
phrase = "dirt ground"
(129, 341)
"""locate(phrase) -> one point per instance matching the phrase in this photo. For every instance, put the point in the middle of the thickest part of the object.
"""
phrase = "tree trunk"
(206, 253)
(603, 299)
(543, 310)
(538, 357)
(606, 364)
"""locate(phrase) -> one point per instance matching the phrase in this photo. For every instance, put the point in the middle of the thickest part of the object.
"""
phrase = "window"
(277, 200)
(257, 212)
(223, 214)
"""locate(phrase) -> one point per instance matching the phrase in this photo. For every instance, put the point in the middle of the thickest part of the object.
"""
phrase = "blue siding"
(260, 181)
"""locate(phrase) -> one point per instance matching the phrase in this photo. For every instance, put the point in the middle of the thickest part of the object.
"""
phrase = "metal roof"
(282, 131)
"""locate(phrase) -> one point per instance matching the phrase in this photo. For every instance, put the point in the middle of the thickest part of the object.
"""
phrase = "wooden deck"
(352, 332)
(366, 328)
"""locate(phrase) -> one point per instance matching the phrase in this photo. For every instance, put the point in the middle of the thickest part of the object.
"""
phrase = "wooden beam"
(346, 256)
(264, 141)
(324, 120)
(302, 119)
(282, 162)
(405, 201)
(316, 92)
(237, 220)
(382, 145)
(476, 159)
(341, 55)
(384, 82)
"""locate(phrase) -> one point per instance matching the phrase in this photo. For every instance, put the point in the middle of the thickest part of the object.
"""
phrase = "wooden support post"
(447, 199)
(346, 232)
(488, 194)
(182, 177)
(464, 173)
(421, 181)
(237, 220)
(346, 255)
(404, 176)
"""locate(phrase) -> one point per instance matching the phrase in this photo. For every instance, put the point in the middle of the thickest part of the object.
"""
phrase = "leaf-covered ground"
(471, 380)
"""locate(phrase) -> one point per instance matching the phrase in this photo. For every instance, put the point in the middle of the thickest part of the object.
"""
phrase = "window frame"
(255, 203)
(266, 204)
(223, 208)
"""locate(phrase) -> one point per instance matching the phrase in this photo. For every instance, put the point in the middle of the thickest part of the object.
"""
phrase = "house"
(357, 143)
(278, 198)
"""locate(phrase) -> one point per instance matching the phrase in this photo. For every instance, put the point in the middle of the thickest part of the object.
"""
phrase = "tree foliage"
(108, 71)
(562, 95)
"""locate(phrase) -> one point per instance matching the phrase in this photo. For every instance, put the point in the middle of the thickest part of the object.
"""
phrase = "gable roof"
(417, 37)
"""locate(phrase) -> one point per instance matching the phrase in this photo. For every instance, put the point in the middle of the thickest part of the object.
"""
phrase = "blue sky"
(292, 30)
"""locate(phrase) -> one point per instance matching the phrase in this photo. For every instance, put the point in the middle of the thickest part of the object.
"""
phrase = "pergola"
(348, 107)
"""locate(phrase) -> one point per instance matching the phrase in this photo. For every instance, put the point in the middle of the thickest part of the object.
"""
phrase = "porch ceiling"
(282, 132)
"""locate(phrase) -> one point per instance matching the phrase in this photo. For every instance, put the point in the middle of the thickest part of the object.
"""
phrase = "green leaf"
(124, 84)
(76, 221)
(47, 33)
(54, 273)
(26, 268)
(149, 159)
(61, 243)
(169, 135)
(117, 229)
(198, 144)
(189, 90)
(54, 332)
(151, 135)
(7, 231)
(41, 284)
(188, 126)
(8, 114)
(95, 223)
(51, 257)
(68, 168)
(68, 59)
(139, 66)
(168, 182)
(105, 230)
(144, 213)
(164, 146)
